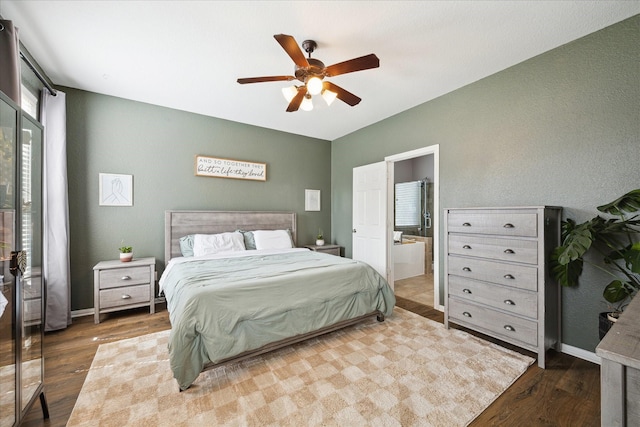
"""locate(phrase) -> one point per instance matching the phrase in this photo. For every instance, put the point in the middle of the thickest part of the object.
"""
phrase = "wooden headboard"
(181, 223)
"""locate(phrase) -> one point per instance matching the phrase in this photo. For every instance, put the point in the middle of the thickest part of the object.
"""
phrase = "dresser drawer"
(503, 224)
(524, 303)
(514, 275)
(110, 298)
(117, 277)
(497, 323)
(517, 250)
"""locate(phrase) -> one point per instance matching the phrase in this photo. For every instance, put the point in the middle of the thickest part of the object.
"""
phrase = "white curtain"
(56, 212)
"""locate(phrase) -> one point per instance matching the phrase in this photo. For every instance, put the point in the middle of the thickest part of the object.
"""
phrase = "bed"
(230, 304)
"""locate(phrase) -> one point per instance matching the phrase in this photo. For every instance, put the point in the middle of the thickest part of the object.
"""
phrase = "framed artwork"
(216, 167)
(115, 189)
(311, 200)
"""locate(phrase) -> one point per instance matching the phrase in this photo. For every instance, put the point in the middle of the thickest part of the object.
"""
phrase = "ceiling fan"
(312, 72)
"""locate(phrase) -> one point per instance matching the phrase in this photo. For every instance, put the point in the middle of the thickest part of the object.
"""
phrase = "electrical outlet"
(156, 275)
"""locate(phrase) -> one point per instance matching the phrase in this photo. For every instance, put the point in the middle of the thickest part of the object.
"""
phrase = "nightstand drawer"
(124, 277)
(504, 224)
(496, 323)
(514, 275)
(516, 250)
(110, 298)
(327, 249)
(524, 303)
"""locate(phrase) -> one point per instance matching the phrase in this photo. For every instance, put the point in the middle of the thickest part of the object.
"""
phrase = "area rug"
(406, 371)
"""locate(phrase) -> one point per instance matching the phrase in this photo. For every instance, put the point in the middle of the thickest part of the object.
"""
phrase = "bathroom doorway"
(415, 178)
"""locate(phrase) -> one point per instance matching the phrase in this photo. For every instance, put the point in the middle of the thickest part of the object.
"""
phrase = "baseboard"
(580, 353)
(82, 313)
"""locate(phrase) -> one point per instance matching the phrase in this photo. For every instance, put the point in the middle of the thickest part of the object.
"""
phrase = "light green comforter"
(222, 307)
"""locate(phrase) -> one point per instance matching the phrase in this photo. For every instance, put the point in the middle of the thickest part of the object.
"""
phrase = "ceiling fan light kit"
(311, 72)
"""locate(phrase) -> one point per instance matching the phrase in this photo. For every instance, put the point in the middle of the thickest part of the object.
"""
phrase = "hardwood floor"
(417, 288)
(567, 393)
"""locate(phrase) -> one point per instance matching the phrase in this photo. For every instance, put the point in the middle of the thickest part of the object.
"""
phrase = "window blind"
(408, 204)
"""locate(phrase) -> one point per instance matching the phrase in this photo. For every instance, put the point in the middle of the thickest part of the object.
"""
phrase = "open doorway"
(413, 202)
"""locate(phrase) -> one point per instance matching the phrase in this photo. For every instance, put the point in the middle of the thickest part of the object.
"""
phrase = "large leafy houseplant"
(615, 239)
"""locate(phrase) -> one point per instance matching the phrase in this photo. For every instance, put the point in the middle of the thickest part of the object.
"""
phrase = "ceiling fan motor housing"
(315, 69)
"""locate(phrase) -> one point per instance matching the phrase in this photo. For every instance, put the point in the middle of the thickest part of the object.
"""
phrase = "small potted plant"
(319, 238)
(126, 253)
(616, 239)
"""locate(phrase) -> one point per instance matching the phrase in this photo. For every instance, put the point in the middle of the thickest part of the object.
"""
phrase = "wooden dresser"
(620, 370)
(497, 278)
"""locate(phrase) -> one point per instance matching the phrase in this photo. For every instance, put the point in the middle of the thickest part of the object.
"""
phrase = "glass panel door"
(30, 238)
(8, 350)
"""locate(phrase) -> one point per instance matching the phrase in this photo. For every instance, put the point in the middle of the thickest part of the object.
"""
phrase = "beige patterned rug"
(406, 371)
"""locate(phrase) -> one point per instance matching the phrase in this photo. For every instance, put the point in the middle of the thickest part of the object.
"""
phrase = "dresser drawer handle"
(467, 291)
(509, 251)
(125, 296)
(466, 314)
(508, 225)
(466, 269)
(125, 278)
(509, 277)
(509, 328)
(466, 224)
(466, 247)
(509, 302)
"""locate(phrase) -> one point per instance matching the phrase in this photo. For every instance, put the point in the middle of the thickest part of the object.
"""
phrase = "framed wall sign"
(115, 189)
(311, 200)
(228, 168)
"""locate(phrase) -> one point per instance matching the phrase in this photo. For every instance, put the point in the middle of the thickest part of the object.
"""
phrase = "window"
(408, 204)
(29, 102)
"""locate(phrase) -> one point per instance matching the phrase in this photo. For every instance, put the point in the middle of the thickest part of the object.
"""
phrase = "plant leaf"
(616, 291)
(566, 274)
(628, 203)
(576, 241)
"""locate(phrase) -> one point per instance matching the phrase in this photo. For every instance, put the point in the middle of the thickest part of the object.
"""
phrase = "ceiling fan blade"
(342, 94)
(290, 45)
(357, 64)
(265, 79)
(297, 100)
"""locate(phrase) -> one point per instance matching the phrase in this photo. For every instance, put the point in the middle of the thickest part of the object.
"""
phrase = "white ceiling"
(187, 55)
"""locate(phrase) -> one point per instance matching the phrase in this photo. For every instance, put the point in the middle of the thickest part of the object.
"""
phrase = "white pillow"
(272, 239)
(206, 244)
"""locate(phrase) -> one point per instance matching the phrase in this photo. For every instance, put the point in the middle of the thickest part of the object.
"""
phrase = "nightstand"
(122, 285)
(327, 249)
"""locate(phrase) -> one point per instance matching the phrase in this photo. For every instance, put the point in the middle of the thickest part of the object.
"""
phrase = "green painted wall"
(158, 146)
(562, 128)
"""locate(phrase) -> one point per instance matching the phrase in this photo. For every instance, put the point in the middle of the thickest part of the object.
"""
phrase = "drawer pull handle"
(125, 296)
(509, 277)
(466, 247)
(466, 314)
(509, 302)
(466, 224)
(508, 225)
(466, 269)
(509, 328)
(125, 278)
(467, 291)
(509, 251)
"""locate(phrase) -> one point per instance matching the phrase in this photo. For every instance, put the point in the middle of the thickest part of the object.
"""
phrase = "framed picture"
(216, 167)
(311, 200)
(116, 189)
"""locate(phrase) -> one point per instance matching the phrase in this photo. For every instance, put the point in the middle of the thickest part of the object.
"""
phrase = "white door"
(370, 215)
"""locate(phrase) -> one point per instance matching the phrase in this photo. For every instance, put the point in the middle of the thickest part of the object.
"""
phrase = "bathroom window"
(408, 204)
